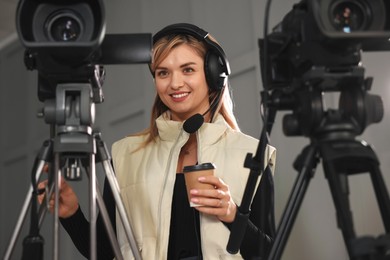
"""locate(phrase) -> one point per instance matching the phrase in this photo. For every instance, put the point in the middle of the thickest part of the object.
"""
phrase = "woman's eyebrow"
(187, 64)
(181, 66)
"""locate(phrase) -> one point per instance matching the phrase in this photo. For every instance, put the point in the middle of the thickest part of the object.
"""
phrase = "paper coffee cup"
(191, 175)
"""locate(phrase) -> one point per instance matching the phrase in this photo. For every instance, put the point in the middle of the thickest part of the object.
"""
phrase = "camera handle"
(340, 159)
(74, 142)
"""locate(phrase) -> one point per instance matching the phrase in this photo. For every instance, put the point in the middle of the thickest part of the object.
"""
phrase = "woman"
(191, 123)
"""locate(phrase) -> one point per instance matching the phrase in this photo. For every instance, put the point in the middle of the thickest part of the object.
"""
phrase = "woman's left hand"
(217, 201)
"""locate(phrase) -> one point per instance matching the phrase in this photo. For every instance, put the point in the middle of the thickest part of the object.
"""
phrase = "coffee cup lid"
(199, 167)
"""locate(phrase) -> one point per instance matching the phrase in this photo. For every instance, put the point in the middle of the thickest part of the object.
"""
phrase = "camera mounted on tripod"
(66, 43)
(316, 48)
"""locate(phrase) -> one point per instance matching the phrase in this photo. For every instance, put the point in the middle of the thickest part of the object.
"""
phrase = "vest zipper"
(158, 244)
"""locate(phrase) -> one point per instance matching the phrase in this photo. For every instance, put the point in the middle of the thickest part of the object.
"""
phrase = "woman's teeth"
(179, 95)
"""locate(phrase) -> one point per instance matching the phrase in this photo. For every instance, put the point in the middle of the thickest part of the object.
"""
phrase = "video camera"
(65, 39)
(317, 48)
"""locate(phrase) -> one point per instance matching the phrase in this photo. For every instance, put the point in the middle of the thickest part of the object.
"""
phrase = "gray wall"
(129, 93)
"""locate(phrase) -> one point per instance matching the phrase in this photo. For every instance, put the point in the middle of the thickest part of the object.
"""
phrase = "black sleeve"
(260, 231)
(77, 226)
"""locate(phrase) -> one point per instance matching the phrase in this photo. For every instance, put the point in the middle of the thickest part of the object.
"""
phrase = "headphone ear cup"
(214, 71)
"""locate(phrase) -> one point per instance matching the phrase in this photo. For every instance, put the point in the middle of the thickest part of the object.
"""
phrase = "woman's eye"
(162, 73)
(188, 70)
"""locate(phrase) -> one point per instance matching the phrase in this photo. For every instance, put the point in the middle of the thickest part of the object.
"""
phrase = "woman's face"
(181, 83)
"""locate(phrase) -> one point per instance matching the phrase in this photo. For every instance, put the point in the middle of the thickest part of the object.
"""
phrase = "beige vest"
(146, 179)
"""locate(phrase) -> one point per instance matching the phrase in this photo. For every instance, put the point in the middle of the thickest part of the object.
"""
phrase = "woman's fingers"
(67, 201)
(41, 190)
(217, 201)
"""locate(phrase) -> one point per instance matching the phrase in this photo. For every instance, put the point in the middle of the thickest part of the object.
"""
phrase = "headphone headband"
(181, 28)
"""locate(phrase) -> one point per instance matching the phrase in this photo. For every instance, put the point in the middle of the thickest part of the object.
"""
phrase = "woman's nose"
(177, 80)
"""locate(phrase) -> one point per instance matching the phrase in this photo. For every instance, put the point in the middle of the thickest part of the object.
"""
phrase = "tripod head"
(356, 109)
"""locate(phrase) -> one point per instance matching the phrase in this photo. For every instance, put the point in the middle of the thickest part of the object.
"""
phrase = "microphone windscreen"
(192, 124)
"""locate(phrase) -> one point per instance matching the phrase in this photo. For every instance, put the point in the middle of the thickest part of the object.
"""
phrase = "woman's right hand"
(68, 202)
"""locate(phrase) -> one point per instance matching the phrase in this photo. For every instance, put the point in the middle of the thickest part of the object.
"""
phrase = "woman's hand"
(216, 201)
(68, 202)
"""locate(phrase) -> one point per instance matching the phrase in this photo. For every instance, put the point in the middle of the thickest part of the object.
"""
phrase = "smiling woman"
(190, 71)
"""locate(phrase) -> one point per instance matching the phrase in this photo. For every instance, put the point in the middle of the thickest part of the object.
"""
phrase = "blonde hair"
(161, 50)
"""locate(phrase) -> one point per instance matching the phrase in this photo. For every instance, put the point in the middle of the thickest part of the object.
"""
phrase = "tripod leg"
(57, 176)
(341, 202)
(108, 226)
(92, 207)
(107, 223)
(306, 171)
(42, 158)
(105, 158)
(382, 196)
(352, 157)
(21, 219)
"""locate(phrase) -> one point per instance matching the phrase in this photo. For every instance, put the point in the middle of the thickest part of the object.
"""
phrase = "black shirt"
(184, 238)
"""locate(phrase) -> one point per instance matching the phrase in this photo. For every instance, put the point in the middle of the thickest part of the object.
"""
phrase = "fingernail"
(193, 191)
(202, 178)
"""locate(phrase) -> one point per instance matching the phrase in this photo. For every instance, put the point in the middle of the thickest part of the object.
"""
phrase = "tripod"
(342, 155)
(73, 147)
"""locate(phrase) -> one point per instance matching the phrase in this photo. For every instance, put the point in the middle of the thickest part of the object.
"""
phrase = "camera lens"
(64, 27)
(348, 16)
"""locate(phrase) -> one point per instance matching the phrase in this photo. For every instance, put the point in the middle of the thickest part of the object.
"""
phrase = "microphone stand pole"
(256, 166)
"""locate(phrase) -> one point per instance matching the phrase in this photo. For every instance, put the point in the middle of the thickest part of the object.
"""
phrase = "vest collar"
(170, 130)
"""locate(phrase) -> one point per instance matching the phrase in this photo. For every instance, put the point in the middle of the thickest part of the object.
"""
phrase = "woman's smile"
(180, 96)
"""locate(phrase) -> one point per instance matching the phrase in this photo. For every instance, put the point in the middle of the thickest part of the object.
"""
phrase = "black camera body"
(65, 41)
(329, 33)
(66, 30)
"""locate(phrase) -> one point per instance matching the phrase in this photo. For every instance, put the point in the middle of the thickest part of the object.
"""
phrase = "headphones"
(216, 65)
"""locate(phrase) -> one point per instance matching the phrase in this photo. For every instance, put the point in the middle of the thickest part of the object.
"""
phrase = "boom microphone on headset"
(193, 123)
